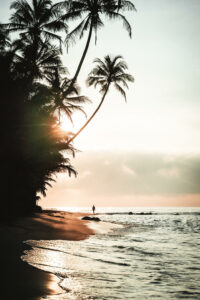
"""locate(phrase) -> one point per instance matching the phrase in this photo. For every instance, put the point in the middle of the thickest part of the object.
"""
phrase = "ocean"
(154, 254)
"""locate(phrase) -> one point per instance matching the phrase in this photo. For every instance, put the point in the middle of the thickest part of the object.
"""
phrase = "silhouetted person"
(93, 209)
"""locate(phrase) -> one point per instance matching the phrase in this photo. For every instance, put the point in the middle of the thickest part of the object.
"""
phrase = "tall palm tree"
(38, 21)
(111, 71)
(91, 12)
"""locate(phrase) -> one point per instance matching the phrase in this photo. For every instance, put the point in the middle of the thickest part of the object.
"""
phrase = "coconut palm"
(46, 58)
(38, 21)
(62, 101)
(107, 72)
(42, 150)
(91, 12)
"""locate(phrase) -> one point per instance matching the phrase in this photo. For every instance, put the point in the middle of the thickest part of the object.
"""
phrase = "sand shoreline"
(21, 280)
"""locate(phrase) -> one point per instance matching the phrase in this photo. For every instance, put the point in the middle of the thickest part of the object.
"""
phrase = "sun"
(68, 126)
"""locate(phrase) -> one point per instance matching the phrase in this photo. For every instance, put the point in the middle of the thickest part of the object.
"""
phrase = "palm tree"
(38, 22)
(91, 11)
(62, 101)
(42, 151)
(46, 58)
(106, 73)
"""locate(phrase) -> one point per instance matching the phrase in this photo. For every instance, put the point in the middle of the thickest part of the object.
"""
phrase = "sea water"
(155, 254)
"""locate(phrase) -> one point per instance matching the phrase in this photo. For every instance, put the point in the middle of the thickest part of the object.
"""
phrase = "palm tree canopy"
(106, 72)
(62, 100)
(39, 66)
(90, 11)
(45, 146)
(38, 20)
(110, 71)
(4, 38)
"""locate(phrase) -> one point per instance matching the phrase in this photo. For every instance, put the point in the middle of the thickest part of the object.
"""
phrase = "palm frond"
(78, 99)
(107, 71)
(120, 89)
(126, 5)
(116, 15)
(70, 38)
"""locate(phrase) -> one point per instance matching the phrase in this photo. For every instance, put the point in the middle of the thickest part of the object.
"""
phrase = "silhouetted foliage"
(35, 90)
(90, 12)
(106, 73)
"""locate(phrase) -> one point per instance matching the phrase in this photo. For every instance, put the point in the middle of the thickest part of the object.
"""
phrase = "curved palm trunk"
(82, 60)
(92, 116)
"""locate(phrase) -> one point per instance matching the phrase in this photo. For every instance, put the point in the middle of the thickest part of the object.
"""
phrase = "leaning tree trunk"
(81, 61)
(92, 116)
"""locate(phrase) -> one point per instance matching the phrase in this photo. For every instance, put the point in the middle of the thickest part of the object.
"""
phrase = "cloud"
(128, 170)
(169, 172)
(129, 179)
(128, 173)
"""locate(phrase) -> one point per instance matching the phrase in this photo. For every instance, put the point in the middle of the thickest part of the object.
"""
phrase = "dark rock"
(37, 208)
(130, 213)
(96, 219)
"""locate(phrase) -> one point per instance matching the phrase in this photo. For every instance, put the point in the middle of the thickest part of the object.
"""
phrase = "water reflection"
(154, 256)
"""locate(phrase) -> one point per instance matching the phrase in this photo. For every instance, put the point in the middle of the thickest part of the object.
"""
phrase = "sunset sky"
(145, 152)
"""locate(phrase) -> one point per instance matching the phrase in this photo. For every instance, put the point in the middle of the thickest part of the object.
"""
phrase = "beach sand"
(20, 280)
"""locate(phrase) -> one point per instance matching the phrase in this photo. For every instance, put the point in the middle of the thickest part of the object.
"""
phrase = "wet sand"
(20, 280)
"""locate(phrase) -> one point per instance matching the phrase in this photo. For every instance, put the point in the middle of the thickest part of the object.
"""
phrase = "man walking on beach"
(93, 209)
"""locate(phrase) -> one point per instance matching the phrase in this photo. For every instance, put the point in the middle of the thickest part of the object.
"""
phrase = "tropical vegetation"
(36, 90)
(110, 71)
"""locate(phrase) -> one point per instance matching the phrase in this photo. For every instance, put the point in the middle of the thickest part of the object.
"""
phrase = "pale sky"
(145, 152)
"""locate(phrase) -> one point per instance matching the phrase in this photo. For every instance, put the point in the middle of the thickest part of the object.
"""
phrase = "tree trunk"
(81, 61)
(92, 116)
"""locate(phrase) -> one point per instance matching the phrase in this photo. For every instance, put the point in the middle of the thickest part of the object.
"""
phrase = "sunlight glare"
(78, 121)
